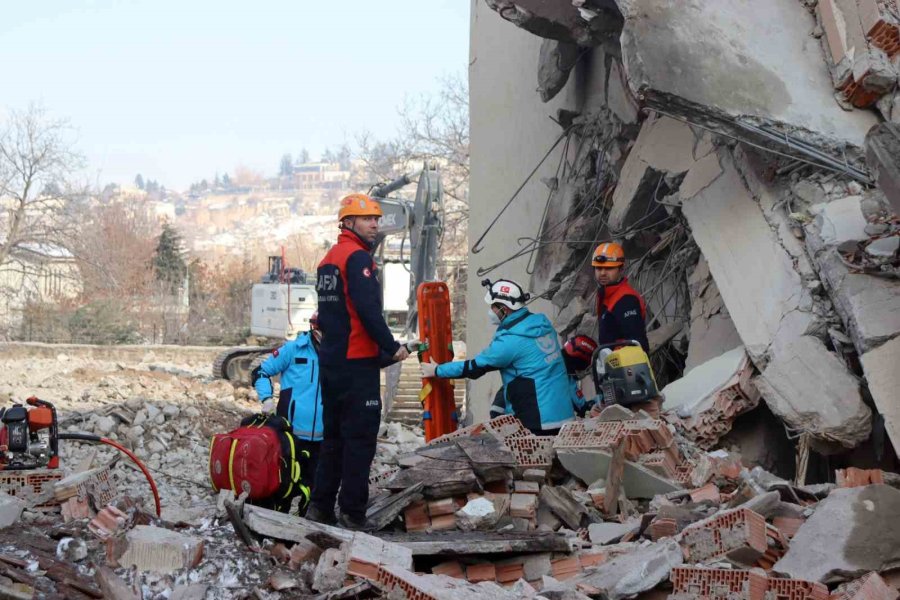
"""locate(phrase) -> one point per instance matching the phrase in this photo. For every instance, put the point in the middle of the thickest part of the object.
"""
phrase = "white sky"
(177, 91)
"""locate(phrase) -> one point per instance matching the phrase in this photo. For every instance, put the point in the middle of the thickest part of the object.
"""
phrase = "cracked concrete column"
(770, 306)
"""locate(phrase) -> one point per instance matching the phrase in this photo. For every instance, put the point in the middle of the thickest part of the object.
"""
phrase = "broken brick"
(443, 522)
(481, 572)
(738, 536)
(523, 506)
(451, 568)
(696, 583)
(853, 477)
(107, 522)
(160, 550)
(788, 525)
(868, 587)
(565, 568)
(444, 506)
(708, 492)
(415, 516)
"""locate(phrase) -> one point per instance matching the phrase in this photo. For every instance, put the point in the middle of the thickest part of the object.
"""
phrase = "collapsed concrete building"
(745, 155)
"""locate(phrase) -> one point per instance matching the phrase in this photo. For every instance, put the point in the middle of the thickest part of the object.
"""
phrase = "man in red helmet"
(621, 311)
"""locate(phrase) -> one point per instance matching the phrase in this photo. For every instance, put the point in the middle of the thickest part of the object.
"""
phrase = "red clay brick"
(796, 589)
(738, 535)
(708, 492)
(868, 587)
(443, 522)
(451, 568)
(718, 584)
(481, 572)
(444, 506)
(565, 568)
(788, 525)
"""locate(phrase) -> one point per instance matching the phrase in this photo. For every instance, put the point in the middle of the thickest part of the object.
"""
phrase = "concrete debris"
(10, 510)
(833, 411)
(634, 572)
(160, 550)
(850, 533)
(559, 20)
(555, 62)
(709, 397)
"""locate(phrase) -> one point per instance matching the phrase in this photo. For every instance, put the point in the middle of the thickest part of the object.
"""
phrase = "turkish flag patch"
(275, 352)
(367, 272)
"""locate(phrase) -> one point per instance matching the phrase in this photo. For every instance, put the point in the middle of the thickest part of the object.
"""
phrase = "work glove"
(268, 406)
(428, 368)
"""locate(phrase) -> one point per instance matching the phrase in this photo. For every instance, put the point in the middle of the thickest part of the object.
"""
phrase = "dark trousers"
(351, 415)
(308, 469)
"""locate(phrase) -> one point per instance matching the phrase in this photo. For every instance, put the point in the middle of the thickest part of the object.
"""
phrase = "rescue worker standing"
(299, 399)
(525, 349)
(621, 311)
(355, 338)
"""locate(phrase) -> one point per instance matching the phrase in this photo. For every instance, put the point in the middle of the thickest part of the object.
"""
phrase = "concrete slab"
(10, 510)
(754, 273)
(592, 464)
(869, 306)
(712, 332)
(883, 376)
(853, 531)
(605, 533)
(634, 572)
(741, 61)
(810, 388)
(695, 391)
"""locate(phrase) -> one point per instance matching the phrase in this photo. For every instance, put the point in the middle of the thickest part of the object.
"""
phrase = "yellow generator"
(622, 374)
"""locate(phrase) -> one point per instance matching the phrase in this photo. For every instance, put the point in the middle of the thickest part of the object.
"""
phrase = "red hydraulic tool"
(439, 406)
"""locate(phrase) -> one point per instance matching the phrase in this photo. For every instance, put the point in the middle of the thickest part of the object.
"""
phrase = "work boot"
(353, 524)
(313, 513)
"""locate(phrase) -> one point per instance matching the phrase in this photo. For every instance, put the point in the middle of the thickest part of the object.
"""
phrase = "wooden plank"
(614, 476)
(383, 512)
(270, 523)
(438, 484)
(478, 542)
(486, 450)
(563, 504)
(233, 510)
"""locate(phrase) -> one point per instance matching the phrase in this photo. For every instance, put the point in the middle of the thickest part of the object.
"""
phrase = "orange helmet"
(608, 254)
(359, 205)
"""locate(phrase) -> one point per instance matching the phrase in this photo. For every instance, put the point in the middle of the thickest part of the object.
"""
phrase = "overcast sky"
(180, 90)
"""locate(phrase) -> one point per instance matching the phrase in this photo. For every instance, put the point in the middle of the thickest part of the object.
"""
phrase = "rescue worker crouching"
(299, 399)
(526, 351)
(355, 340)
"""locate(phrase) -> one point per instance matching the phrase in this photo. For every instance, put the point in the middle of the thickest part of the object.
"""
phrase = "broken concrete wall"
(747, 63)
(511, 131)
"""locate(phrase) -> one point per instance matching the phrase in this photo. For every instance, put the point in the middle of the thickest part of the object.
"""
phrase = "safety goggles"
(601, 259)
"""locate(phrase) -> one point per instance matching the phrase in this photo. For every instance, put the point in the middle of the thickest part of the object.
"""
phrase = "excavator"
(285, 298)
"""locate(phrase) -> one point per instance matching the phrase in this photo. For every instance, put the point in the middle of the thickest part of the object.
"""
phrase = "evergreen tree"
(226, 181)
(139, 181)
(286, 168)
(304, 156)
(168, 261)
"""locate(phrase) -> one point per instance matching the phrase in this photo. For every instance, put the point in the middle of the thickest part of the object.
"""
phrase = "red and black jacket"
(621, 315)
(350, 313)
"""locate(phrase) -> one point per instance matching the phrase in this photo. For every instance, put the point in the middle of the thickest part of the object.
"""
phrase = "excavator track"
(236, 364)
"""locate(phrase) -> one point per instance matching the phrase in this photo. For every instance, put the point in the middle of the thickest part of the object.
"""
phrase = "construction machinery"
(285, 298)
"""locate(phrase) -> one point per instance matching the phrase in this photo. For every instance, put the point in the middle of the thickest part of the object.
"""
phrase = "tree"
(139, 181)
(36, 194)
(304, 156)
(434, 128)
(226, 181)
(286, 167)
(168, 260)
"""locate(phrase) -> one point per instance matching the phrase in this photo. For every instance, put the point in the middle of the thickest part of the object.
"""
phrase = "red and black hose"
(89, 437)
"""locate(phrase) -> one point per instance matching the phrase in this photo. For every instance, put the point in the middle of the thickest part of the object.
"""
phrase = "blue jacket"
(300, 399)
(525, 349)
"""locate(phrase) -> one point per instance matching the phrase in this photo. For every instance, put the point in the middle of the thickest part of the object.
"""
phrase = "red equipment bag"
(259, 457)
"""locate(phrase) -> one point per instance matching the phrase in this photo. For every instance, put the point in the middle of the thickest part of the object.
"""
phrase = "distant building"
(36, 273)
(320, 175)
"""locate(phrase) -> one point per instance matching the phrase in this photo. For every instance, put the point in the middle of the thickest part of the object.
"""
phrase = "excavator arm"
(422, 223)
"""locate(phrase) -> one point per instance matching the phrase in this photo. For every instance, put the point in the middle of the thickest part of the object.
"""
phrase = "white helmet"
(506, 292)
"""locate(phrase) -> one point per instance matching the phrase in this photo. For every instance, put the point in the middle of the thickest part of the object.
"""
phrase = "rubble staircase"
(406, 407)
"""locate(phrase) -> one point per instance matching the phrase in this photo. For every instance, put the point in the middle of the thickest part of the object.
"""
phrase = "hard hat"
(505, 292)
(608, 254)
(577, 353)
(359, 205)
(314, 322)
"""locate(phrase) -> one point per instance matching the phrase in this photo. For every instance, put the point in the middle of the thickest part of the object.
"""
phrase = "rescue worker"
(299, 400)
(526, 351)
(577, 353)
(621, 311)
(355, 340)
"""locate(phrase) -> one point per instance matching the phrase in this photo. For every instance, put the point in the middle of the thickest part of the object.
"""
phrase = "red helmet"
(577, 353)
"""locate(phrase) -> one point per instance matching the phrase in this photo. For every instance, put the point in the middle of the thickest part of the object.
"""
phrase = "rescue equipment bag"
(260, 457)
